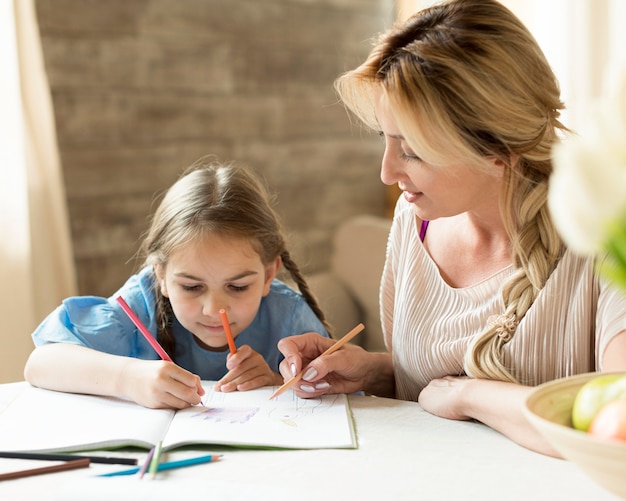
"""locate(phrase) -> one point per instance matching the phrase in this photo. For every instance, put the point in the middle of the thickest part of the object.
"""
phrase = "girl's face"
(213, 274)
(434, 191)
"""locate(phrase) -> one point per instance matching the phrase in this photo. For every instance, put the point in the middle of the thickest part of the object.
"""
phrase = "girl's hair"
(214, 198)
(466, 80)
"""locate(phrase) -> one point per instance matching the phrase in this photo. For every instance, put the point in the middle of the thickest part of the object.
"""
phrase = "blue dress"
(101, 324)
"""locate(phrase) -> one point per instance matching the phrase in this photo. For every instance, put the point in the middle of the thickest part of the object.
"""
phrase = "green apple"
(593, 395)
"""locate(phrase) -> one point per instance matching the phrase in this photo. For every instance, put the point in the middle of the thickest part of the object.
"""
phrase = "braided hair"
(215, 198)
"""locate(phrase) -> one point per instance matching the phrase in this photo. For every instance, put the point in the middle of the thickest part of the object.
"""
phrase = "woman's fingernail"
(322, 385)
(307, 388)
(293, 370)
(310, 373)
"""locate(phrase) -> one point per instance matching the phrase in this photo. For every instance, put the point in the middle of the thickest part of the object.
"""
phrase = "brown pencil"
(330, 350)
(69, 465)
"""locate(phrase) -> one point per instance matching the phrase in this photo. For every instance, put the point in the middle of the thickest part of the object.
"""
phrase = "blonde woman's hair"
(466, 80)
(212, 198)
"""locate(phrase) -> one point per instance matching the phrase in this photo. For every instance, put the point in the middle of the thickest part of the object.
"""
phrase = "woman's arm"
(495, 403)
(77, 369)
(614, 356)
(498, 404)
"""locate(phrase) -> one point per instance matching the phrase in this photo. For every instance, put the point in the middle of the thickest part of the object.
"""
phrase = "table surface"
(403, 453)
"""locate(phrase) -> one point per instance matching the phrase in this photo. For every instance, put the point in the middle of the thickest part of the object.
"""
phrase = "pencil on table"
(156, 458)
(146, 463)
(68, 465)
(44, 456)
(330, 350)
(181, 463)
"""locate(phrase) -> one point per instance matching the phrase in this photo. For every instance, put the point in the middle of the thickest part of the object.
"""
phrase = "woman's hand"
(247, 370)
(347, 370)
(497, 404)
(442, 397)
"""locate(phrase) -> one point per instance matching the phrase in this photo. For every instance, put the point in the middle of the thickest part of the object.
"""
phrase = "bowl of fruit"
(584, 418)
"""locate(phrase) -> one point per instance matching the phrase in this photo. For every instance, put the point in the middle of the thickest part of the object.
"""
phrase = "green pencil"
(156, 458)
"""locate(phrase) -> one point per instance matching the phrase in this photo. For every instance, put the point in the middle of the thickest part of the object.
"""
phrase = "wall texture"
(142, 88)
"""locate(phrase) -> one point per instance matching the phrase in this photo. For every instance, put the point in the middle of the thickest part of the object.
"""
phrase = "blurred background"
(105, 102)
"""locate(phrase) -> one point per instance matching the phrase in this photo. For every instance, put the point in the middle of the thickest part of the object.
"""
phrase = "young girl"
(214, 243)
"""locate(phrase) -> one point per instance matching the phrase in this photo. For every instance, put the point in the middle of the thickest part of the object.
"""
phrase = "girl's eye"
(238, 288)
(190, 288)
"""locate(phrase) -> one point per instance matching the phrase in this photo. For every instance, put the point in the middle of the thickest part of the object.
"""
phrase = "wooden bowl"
(549, 409)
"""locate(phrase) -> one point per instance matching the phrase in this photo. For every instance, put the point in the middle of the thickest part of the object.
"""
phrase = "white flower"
(588, 186)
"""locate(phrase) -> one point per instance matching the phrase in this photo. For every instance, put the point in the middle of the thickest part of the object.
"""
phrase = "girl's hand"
(247, 370)
(160, 385)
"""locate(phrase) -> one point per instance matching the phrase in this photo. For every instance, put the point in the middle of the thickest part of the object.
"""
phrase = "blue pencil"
(170, 465)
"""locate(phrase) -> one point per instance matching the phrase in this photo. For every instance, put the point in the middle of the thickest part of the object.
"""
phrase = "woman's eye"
(409, 157)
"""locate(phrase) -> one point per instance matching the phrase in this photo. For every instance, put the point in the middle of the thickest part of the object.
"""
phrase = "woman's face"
(434, 191)
(213, 274)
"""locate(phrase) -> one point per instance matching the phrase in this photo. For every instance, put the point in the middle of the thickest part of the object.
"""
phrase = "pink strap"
(423, 230)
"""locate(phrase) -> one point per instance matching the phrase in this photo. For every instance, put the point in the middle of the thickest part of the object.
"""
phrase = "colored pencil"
(229, 333)
(143, 329)
(66, 457)
(156, 459)
(68, 465)
(330, 350)
(146, 463)
(170, 465)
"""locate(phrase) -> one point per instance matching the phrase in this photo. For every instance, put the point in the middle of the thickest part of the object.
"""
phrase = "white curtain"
(36, 264)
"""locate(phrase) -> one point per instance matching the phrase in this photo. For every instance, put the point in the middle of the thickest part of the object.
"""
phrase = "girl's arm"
(77, 369)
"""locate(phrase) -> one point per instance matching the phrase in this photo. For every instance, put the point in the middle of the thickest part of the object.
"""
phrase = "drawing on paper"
(236, 415)
(302, 409)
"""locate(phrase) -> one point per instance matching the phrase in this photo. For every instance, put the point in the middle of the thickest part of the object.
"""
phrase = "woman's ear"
(271, 270)
(159, 273)
(501, 164)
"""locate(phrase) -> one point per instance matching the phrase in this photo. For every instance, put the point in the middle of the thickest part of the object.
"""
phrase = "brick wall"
(142, 88)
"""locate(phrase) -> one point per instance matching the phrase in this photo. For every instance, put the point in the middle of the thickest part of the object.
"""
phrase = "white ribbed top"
(428, 325)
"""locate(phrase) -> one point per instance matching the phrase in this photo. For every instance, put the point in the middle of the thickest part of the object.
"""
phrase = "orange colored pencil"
(229, 333)
(330, 350)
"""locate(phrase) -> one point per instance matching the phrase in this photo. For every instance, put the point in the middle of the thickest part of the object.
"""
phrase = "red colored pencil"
(143, 329)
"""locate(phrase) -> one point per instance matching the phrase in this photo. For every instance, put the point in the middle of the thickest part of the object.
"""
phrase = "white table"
(404, 453)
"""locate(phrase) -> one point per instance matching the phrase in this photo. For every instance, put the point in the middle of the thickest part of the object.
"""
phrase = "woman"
(480, 299)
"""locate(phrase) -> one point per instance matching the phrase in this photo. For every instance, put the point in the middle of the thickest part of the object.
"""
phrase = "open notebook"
(48, 421)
